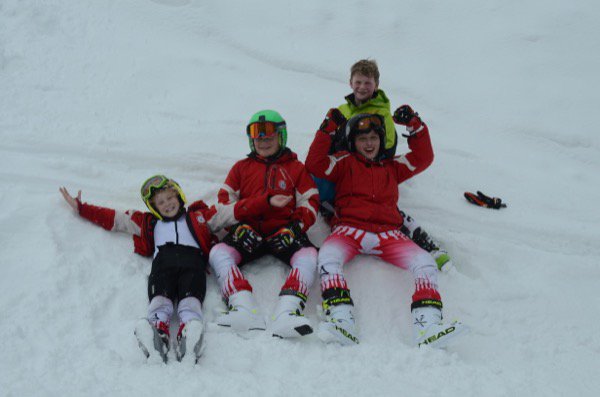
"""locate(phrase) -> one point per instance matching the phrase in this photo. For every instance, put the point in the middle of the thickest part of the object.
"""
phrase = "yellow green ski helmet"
(156, 183)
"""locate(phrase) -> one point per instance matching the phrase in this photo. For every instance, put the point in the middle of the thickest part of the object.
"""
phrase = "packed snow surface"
(99, 95)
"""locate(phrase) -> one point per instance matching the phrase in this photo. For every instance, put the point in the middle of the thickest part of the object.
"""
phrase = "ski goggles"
(263, 129)
(368, 123)
(153, 183)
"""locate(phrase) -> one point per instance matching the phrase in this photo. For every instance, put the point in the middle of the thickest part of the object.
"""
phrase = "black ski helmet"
(363, 123)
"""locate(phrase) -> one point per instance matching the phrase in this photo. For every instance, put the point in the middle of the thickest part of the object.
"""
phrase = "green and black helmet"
(266, 123)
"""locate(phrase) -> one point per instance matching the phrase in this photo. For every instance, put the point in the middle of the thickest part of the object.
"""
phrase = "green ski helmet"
(260, 121)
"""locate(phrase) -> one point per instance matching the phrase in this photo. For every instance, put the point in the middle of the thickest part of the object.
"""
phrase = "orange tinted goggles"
(369, 123)
(262, 129)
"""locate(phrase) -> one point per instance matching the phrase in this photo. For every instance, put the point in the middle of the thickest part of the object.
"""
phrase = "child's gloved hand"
(403, 115)
(406, 116)
(332, 121)
(244, 237)
(284, 238)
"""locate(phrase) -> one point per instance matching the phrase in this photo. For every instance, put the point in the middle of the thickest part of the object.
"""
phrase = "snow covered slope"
(100, 95)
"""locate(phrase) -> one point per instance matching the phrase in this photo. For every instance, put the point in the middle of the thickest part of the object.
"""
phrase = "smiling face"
(266, 146)
(363, 87)
(368, 144)
(166, 202)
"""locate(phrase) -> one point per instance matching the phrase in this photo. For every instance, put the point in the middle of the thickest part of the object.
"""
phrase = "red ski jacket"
(141, 224)
(253, 180)
(367, 191)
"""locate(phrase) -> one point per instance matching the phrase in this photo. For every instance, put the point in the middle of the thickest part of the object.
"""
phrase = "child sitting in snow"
(367, 220)
(274, 202)
(367, 97)
(179, 241)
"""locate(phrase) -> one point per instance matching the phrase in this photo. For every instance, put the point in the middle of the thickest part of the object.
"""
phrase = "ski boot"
(288, 320)
(428, 328)
(339, 326)
(242, 313)
(189, 340)
(153, 338)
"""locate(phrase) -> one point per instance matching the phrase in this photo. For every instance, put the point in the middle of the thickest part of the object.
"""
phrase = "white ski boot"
(288, 320)
(428, 328)
(339, 326)
(153, 340)
(242, 313)
(189, 341)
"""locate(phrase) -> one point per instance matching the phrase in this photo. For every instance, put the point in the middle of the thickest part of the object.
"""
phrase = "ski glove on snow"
(406, 116)
(484, 201)
(333, 121)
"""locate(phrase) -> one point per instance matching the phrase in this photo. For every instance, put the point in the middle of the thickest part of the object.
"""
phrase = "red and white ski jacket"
(253, 180)
(200, 220)
(367, 191)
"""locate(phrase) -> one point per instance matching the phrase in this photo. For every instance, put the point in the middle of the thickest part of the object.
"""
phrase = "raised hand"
(406, 116)
(332, 121)
(72, 201)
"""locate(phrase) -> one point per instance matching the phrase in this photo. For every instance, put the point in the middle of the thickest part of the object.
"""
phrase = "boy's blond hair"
(366, 67)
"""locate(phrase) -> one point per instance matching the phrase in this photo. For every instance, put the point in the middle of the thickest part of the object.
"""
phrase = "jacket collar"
(283, 156)
(379, 99)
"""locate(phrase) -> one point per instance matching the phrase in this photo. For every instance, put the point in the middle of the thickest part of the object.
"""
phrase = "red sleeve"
(129, 222)
(230, 191)
(244, 209)
(418, 159)
(307, 199)
(198, 205)
(101, 216)
(320, 163)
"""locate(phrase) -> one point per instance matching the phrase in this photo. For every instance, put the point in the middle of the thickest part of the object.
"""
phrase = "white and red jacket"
(199, 219)
(253, 180)
(367, 191)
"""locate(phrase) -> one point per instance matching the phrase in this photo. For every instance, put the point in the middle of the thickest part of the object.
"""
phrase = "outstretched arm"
(107, 218)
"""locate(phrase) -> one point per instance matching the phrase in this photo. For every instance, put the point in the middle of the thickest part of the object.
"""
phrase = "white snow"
(99, 95)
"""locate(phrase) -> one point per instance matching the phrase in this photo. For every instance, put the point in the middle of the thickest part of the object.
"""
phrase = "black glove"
(244, 238)
(333, 121)
(484, 201)
(403, 115)
(284, 238)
